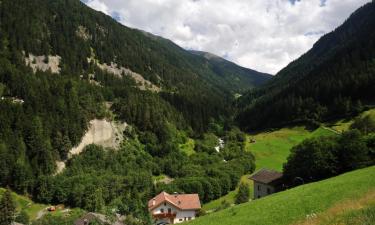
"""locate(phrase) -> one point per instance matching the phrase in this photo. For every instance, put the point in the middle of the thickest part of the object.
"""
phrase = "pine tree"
(243, 194)
(7, 209)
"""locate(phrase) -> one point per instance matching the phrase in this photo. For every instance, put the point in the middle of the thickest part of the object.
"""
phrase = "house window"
(180, 219)
(162, 210)
(268, 191)
(169, 210)
(258, 187)
(184, 218)
(189, 218)
(165, 204)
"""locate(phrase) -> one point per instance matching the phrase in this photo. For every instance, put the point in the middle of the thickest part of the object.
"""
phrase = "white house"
(266, 182)
(175, 208)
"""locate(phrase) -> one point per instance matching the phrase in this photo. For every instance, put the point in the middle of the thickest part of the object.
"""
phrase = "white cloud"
(98, 5)
(260, 34)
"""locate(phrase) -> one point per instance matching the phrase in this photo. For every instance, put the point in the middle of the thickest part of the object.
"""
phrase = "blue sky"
(264, 35)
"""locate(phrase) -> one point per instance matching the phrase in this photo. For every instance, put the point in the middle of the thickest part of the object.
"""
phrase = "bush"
(243, 194)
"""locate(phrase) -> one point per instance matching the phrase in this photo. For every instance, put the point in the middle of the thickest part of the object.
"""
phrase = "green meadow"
(295, 205)
(271, 150)
(32, 209)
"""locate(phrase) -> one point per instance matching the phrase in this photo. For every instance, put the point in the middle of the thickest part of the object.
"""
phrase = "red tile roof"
(266, 176)
(180, 201)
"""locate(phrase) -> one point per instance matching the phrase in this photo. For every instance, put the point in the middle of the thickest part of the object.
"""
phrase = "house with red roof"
(174, 208)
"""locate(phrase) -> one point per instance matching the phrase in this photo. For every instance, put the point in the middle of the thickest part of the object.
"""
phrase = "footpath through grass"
(296, 204)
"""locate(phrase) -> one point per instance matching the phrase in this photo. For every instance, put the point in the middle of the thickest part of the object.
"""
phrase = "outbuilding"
(266, 182)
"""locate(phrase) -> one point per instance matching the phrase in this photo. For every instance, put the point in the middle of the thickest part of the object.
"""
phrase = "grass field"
(32, 209)
(295, 205)
(271, 150)
(24, 203)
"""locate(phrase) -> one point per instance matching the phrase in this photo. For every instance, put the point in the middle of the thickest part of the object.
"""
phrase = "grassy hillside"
(35, 210)
(294, 205)
(24, 203)
(271, 150)
(344, 124)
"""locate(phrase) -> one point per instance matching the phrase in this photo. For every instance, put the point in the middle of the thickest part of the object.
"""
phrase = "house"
(266, 182)
(97, 218)
(176, 208)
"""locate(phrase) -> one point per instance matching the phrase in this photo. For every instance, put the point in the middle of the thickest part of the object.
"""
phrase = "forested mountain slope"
(335, 78)
(236, 77)
(63, 64)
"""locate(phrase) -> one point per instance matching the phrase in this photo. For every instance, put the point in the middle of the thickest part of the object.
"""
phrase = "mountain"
(81, 42)
(236, 77)
(333, 79)
(63, 64)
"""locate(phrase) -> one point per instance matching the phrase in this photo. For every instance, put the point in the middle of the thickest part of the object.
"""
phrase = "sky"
(265, 35)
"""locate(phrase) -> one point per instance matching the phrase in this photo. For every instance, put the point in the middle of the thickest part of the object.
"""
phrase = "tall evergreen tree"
(7, 209)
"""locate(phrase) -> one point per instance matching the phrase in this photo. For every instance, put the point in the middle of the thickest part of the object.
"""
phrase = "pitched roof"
(180, 201)
(266, 176)
(100, 218)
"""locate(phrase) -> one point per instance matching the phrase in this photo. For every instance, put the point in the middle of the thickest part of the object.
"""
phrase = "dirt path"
(332, 130)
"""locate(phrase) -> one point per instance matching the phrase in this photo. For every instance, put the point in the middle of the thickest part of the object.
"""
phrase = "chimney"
(175, 194)
(153, 202)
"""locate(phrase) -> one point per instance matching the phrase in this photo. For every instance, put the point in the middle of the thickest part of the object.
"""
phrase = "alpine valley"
(98, 117)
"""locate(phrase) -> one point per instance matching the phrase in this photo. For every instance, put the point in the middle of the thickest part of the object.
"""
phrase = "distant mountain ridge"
(238, 77)
(335, 78)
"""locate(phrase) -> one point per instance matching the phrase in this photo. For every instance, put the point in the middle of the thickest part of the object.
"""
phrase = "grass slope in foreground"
(271, 150)
(295, 204)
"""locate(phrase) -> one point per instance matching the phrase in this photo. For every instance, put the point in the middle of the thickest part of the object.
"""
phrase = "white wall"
(261, 190)
(181, 215)
(184, 216)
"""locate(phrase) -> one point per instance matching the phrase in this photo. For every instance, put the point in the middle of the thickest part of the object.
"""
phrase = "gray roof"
(266, 176)
(90, 217)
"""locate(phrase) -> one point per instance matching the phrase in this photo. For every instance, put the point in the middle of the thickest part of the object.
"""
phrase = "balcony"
(170, 215)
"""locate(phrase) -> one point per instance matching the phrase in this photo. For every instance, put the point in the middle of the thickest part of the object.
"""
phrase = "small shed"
(266, 182)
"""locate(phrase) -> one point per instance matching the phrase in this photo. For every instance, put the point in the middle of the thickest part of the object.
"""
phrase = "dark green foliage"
(331, 80)
(22, 218)
(231, 73)
(365, 124)
(243, 194)
(209, 173)
(224, 205)
(196, 97)
(324, 157)
(7, 208)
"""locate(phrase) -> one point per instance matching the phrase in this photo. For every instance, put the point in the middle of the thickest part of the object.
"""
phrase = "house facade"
(174, 208)
(266, 182)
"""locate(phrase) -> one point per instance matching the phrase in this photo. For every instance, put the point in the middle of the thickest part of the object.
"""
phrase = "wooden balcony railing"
(164, 215)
